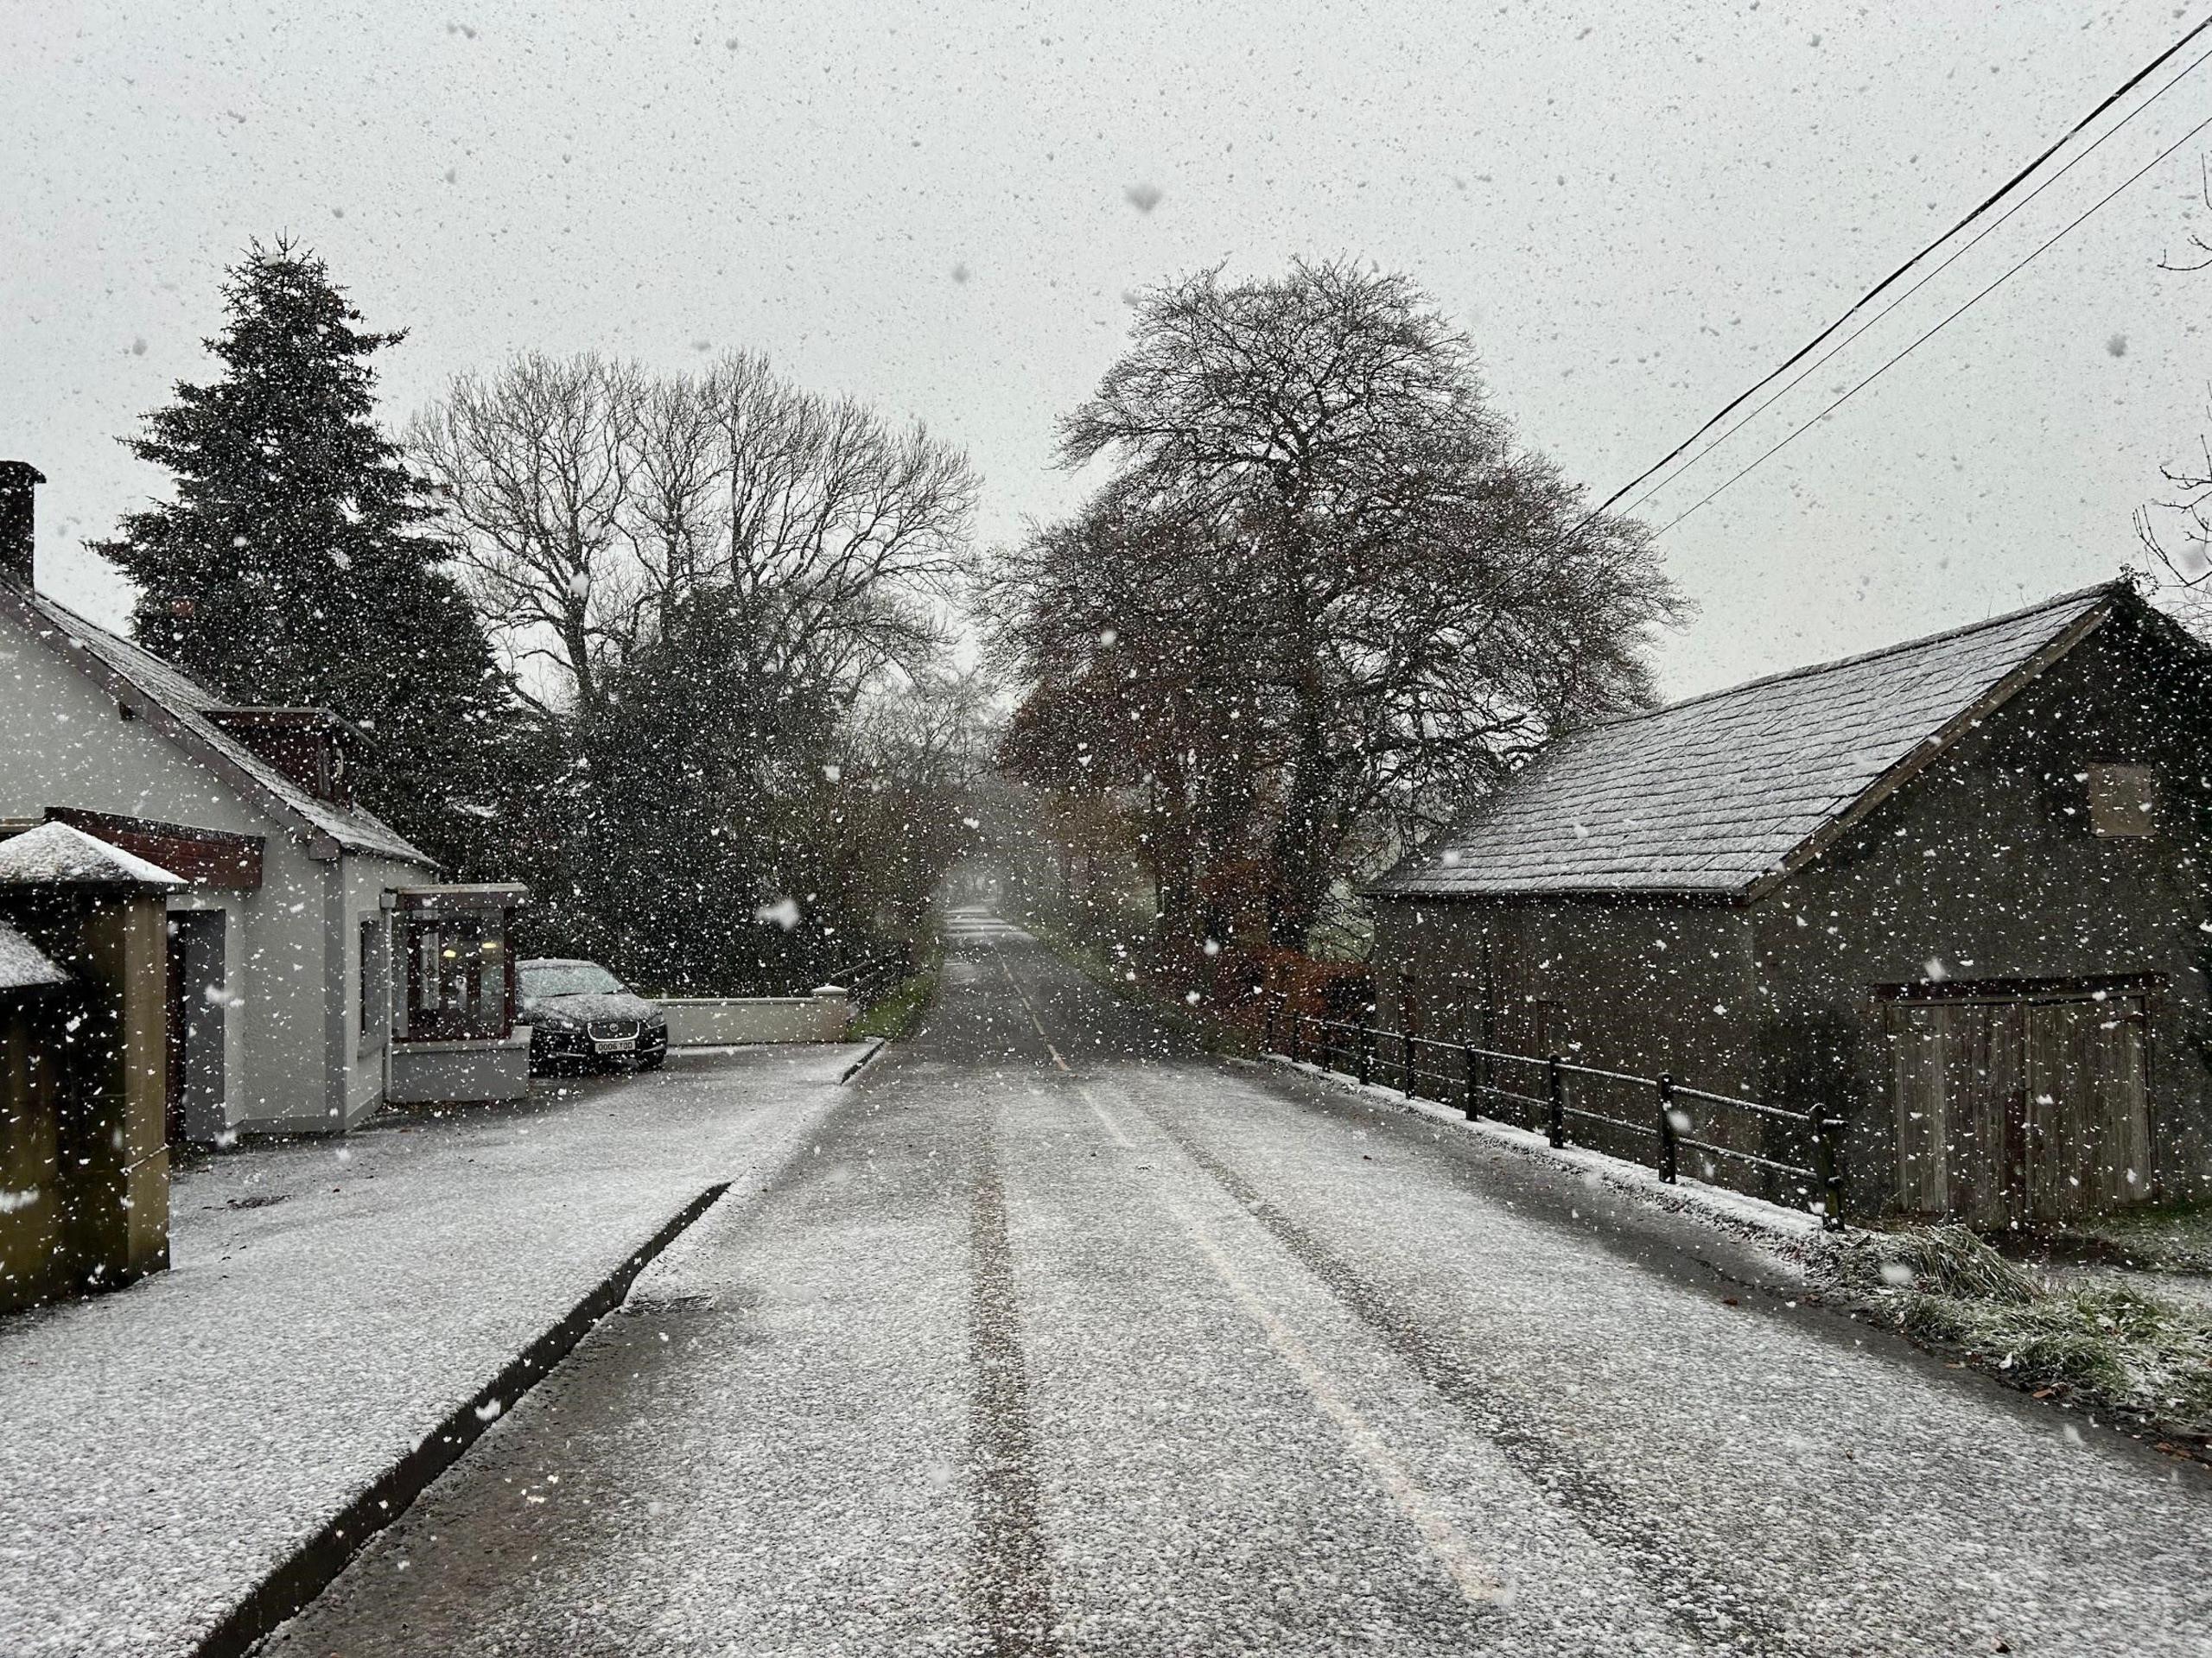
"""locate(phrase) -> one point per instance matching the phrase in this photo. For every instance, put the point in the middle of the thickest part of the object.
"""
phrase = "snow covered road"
(1067, 1339)
(330, 1302)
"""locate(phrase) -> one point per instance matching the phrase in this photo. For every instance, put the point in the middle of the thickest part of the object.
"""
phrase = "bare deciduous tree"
(536, 466)
(703, 575)
(591, 501)
(830, 525)
(2177, 532)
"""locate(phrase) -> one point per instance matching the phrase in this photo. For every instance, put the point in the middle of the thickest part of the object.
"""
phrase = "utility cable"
(1954, 316)
(1950, 259)
(1889, 281)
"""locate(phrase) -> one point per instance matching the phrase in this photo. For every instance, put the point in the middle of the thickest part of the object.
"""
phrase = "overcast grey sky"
(1634, 208)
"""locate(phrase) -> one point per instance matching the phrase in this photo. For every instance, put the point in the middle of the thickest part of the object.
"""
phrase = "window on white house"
(457, 983)
(2123, 800)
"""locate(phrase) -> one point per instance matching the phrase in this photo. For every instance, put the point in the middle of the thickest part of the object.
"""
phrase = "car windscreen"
(568, 979)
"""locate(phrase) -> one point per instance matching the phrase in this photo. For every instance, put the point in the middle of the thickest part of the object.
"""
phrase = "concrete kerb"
(1791, 1233)
(313, 1567)
(865, 1060)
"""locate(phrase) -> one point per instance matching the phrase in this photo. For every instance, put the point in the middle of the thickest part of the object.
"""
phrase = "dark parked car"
(581, 1015)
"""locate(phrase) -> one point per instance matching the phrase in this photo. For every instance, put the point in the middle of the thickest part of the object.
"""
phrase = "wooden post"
(1366, 1054)
(1667, 1129)
(1467, 1081)
(1408, 1022)
(1825, 1167)
(1555, 1129)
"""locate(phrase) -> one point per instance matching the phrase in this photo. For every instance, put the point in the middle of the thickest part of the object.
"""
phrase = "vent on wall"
(2123, 801)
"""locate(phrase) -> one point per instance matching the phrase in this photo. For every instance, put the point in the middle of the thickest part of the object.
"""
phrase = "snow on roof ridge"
(63, 855)
(2080, 598)
(23, 965)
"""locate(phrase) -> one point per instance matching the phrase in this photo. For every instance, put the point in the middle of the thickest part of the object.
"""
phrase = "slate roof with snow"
(23, 966)
(1708, 795)
(62, 855)
(186, 702)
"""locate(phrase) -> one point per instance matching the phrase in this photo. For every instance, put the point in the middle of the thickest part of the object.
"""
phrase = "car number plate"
(614, 1043)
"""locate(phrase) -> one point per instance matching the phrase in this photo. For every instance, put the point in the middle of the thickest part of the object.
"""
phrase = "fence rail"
(871, 979)
(1536, 1090)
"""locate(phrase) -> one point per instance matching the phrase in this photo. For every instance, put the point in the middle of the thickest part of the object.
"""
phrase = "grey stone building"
(1953, 892)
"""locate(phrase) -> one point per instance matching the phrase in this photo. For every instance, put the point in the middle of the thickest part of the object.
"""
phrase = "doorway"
(2019, 1110)
(194, 1102)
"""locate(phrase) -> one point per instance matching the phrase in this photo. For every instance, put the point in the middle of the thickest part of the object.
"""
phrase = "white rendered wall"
(713, 1022)
(63, 743)
(366, 878)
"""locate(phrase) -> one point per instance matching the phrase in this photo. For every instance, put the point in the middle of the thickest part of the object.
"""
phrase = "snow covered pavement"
(1072, 1341)
(330, 1304)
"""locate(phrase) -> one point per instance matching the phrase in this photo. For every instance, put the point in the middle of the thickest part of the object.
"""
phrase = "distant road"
(1070, 1340)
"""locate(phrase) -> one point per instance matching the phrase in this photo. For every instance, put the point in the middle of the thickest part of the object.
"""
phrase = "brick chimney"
(19, 482)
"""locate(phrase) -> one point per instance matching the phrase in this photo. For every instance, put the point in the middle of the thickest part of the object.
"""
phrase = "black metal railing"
(869, 979)
(1615, 1112)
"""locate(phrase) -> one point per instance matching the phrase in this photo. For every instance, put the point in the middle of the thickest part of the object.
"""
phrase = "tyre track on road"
(1693, 1596)
(1011, 1584)
(1474, 1577)
(1696, 1599)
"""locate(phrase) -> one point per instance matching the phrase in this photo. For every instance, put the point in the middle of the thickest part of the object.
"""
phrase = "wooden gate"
(2013, 1109)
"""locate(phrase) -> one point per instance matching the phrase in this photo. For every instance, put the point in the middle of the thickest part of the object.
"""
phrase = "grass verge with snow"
(894, 1017)
(2103, 1347)
(2169, 1239)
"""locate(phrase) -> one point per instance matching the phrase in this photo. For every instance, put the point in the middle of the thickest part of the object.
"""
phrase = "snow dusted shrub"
(1932, 1261)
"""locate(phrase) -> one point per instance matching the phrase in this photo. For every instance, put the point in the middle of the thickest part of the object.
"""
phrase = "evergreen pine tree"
(294, 565)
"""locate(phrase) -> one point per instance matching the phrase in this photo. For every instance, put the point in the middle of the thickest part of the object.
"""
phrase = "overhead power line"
(1948, 260)
(1898, 274)
(2002, 277)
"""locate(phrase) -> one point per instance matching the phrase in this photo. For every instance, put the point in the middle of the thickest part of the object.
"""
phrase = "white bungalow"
(317, 966)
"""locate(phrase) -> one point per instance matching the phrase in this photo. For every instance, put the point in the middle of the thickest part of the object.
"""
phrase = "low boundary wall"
(435, 1073)
(734, 1022)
